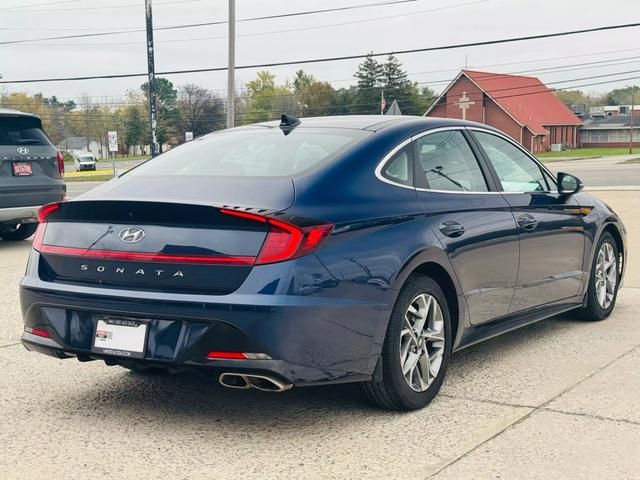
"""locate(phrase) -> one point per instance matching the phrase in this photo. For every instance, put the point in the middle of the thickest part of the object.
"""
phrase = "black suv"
(31, 171)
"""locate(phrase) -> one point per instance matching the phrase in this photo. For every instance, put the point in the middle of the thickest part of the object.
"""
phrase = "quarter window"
(398, 169)
(516, 171)
(448, 163)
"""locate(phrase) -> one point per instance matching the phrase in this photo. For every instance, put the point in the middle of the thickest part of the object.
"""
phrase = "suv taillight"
(60, 163)
(285, 241)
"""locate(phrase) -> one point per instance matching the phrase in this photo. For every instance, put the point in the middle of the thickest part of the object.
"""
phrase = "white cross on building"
(464, 103)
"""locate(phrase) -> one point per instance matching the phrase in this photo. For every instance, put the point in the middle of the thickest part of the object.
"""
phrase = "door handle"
(451, 229)
(527, 222)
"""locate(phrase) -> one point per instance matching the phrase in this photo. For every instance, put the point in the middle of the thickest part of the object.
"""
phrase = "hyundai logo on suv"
(132, 235)
(23, 150)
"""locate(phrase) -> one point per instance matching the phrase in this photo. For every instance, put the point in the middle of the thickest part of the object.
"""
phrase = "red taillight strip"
(147, 257)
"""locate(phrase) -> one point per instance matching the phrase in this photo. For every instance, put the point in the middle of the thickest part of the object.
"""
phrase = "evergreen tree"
(370, 75)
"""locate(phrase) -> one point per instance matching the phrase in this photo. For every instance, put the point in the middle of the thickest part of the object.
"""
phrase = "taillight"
(43, 213)
(285, 241)
(60, 163)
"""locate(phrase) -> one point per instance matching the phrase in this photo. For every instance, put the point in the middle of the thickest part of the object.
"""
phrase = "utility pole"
(633, 101)
(153, 120)
(231, 68)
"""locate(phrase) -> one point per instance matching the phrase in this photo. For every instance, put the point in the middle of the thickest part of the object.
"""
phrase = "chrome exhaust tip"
(259, 382)
(234, 380)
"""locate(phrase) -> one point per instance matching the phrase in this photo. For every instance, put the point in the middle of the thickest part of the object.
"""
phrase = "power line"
(20, 7)
(257, 34)
(456, 69)
(25, 8)
(339, 58)
(401, 98)
(438, 82)
(217, 22)
(105, 7)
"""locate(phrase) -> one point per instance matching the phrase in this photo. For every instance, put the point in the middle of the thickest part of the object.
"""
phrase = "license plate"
(22, 169)
(125, 337)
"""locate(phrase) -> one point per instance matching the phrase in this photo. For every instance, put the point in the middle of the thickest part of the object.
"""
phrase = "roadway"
(558, 399)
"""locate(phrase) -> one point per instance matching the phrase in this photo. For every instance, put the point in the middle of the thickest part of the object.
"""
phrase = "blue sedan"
(320, 250)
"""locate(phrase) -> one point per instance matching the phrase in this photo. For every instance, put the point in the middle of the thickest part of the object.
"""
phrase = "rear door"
(550, 225)
(29, 174)
(472, 220)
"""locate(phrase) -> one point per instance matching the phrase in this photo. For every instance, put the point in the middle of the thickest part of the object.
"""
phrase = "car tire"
(395, 390)
(595, 308)
(21, 231)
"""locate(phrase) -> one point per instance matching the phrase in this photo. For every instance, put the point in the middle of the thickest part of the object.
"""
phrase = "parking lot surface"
(558, 399)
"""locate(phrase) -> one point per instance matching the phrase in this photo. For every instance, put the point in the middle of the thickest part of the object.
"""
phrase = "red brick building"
(522, 107)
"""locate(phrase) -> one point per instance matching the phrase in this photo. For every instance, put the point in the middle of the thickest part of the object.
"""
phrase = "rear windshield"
(21, 131)
(253, 152)
(86, 158)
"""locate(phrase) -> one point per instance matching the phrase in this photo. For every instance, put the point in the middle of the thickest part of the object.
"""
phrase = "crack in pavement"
(10, 344)
(541, 407)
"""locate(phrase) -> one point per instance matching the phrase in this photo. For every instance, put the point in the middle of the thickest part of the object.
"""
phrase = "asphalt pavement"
(558, 399)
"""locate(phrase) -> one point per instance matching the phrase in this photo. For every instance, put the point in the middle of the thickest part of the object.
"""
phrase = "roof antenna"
(288, 123)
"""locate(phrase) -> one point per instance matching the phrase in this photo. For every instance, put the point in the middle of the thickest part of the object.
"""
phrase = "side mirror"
(569, 184)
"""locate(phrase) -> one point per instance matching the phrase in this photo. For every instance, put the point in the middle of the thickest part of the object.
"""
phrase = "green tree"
(344, 100)
(266, 100)
(134, 126)
(313, 97)
(166, 100)
(622, 96)
(370, 75)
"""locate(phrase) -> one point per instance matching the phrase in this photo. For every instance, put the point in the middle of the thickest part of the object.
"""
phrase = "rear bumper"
(311, 339)
(19, 214)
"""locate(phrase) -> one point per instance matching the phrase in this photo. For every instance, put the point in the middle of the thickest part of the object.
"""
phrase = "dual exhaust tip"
(245, 381)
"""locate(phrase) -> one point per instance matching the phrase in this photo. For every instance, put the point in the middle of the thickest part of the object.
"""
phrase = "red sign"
(22, 169)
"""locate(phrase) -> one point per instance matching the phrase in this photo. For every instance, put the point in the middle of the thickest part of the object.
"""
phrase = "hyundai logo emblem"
(23, 150)
(132, 235)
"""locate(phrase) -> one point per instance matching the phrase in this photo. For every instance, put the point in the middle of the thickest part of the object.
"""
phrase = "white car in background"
(84, 161)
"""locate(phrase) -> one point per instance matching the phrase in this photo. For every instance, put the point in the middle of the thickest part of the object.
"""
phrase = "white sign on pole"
(113, 141)
(188, 136)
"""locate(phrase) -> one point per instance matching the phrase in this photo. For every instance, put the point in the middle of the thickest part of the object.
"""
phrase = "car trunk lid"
(149, 245)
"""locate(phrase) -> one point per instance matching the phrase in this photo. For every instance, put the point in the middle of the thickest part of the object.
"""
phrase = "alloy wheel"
(606, 275)
(422, 342)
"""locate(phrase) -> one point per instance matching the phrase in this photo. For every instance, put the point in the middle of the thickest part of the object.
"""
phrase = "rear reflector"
(237, 356)
(285, 241)
(36, 331)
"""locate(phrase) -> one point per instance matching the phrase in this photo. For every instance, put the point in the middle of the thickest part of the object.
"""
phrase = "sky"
(414, 24)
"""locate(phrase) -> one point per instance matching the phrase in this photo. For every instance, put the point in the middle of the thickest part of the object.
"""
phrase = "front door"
(550, 225)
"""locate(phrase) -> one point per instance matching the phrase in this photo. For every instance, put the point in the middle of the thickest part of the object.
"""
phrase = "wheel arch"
(435, 264)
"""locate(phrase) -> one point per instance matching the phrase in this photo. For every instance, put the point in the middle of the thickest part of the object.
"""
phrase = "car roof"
(368, 122)
(10, 112)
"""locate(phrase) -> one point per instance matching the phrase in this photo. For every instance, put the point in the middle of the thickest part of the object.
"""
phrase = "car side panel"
(485, 256)
(551, 252)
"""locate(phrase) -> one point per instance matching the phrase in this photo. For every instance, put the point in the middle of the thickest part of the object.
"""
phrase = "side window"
(399, 168)
(449, 163)
(516, 170)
